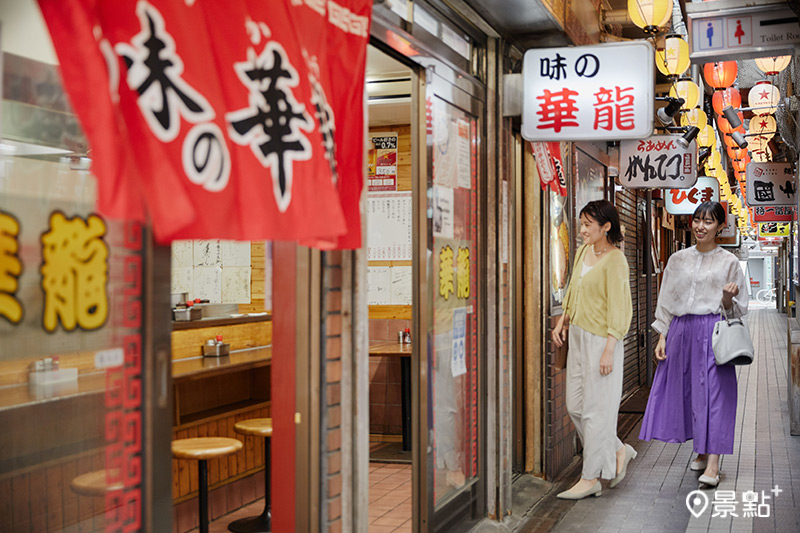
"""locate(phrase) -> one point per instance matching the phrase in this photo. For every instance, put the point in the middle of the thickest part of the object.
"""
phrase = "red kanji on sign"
(613, 109)
(705, 195)
(558, 109)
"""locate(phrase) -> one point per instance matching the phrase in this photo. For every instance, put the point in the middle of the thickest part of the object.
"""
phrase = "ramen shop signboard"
(599, 92)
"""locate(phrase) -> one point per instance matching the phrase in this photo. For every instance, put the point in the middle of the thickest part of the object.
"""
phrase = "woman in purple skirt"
(692, 397)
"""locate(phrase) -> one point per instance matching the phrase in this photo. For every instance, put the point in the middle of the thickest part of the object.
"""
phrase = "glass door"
(452, 455)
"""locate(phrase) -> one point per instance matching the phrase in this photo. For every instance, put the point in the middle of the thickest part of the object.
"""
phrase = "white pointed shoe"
(698, 466)
(630, 453)
(595, 490)
(708, 480)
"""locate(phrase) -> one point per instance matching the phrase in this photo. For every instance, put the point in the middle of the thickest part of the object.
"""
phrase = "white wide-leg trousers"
(593, 401)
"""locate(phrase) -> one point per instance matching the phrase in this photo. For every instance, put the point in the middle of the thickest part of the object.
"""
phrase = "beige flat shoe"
(596, 490)
(708, 480)
(630, 453)
(698, 466)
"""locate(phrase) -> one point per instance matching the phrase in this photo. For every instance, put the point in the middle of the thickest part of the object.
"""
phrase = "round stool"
(257, 427)
(201, 450)
(94, 484)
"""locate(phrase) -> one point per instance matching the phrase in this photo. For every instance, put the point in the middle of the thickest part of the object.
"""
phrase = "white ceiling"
(387, 111)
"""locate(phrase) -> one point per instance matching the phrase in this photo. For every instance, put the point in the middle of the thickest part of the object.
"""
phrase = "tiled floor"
(220, 525)
(389, 497)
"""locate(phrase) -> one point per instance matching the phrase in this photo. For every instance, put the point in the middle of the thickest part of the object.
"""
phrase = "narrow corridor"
(766, 460)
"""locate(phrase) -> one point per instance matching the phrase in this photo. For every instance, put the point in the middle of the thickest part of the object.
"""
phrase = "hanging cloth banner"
(233, 120)
(550, 166)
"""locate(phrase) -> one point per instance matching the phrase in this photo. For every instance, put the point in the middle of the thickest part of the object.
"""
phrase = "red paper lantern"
(720, 74)
(725, 126)
(737, 153)
(739, 165)
(726, 97)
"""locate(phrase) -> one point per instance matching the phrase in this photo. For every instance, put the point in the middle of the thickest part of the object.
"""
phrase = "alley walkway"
(653, 496)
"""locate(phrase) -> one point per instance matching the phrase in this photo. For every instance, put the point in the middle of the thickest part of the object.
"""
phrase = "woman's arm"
(607, 359)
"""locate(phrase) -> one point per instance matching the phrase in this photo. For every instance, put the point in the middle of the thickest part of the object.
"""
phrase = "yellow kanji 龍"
(446, 272)
(74, 272)
(462, 281)
(10, 268)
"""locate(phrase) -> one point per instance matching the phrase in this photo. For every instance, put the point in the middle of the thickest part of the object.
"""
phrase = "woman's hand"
(729, 291)
(661, 348)
(560, 331)
(606, 362)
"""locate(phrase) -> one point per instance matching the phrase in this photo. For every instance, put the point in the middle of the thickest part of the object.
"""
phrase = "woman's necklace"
(600, 252)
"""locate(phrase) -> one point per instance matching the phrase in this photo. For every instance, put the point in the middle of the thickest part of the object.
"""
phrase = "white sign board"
(588, 93)
(389, 226)
(729, 231)
(740, 29)
(770, 184)
(685, 201)
(657, 163)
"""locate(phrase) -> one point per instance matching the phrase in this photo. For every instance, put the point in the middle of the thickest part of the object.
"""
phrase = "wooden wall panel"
(257, 277)
(188, 342)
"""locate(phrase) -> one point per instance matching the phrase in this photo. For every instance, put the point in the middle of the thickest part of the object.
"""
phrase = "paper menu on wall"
(379, 285)
(464, 156)
(458, 363)
(401, 285)
(389, 226)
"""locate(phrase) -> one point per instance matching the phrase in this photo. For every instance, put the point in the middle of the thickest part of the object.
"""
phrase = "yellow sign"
(446, 272)
(774, 229)
(10, 268)
(462, 280)
(74, 272)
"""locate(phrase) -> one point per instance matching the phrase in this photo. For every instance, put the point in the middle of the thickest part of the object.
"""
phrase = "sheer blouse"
(692, 285)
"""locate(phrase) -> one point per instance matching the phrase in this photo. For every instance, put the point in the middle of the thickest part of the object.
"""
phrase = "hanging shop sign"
(550, 166)
(657, 163)
(685, 201)
(773, 213)
(382, 162)
(729, 231)
(774, 229)
(249, 129)
(741, 29)
(588, 93)
(770, 184)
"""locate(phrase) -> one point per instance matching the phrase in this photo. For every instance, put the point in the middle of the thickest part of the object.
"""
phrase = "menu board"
(389, 226)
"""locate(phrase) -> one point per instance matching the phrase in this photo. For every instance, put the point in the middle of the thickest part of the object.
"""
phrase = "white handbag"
(731, 342)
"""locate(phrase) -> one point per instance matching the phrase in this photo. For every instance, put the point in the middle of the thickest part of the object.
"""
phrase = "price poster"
(382, 162)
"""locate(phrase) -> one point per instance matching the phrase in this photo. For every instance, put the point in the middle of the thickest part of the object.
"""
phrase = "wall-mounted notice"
(401, 285)
(464, 156)
(458, 362)
(389, 226)
(379, 283)
(382, 162)
(443, 212)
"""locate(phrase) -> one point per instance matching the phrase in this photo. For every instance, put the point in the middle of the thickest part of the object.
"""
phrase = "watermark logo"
(725, 503)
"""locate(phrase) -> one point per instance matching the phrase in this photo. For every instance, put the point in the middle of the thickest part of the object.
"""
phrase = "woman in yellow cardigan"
(598, 308)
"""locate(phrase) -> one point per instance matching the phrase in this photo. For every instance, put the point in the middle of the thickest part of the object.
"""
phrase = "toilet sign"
(588, 93)
(742, 29)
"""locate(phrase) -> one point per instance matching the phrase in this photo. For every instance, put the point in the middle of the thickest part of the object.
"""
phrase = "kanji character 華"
(154, 71)
(462, 279)
(325, 118)
(74, 272)
(613, 109)
(446, 272)
(10, 268)
(273, 122)
(557, 109)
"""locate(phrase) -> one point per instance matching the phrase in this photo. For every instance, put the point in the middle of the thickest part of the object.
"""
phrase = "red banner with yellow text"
(236, 120)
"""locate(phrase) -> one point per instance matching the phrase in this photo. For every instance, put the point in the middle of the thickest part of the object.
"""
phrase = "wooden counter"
(389, 349)
(200, 367)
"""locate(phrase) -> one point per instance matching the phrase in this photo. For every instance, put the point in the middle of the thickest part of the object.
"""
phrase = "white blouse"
(692, 285)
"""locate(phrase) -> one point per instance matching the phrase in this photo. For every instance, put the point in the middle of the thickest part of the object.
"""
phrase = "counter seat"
(200, 367)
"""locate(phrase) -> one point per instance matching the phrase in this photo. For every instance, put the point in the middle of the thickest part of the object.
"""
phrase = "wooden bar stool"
(94, 484)
(201, 450)
(257, 427)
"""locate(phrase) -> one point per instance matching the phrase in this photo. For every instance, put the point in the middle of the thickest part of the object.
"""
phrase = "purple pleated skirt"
(692, 397)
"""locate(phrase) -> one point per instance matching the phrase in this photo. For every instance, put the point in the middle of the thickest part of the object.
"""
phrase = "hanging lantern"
(712, 161)
(720, 74)
(757, 143)
(688, 90)
(725, 126)
(737, 153)
(650, 14)
(673, 59)
(764, 125)
(764, 97)
(706, 137)
(762, 155)
(725, 98)
(773, 65)
(740, 165)
(695, 117)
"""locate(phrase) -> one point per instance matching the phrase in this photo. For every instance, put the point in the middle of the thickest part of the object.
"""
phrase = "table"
(403, 351)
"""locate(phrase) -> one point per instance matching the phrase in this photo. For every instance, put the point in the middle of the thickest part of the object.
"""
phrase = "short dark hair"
(604, 211)
(714, 209)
